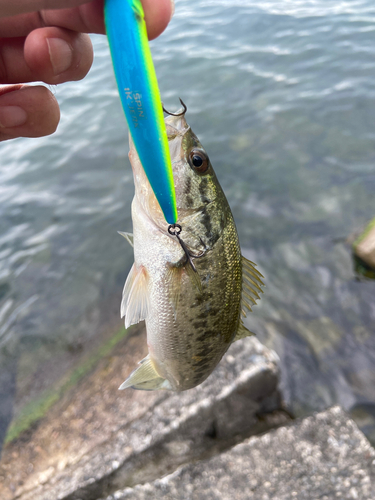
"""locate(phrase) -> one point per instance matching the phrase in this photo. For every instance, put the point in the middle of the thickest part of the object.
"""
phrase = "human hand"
(46, 40)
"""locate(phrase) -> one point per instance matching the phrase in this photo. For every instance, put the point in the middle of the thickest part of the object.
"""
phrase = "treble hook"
(177, 114)
(175, 230)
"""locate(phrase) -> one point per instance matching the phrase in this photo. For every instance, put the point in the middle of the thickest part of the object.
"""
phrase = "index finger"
(14, 7)
(85, 18)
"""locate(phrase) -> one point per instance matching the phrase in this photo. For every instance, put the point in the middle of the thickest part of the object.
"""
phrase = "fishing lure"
(140, 97)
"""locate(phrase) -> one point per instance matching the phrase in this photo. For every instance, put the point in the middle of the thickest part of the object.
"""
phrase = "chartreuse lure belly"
(140, 97)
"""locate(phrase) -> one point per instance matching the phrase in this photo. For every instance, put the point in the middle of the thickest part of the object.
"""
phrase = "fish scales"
(191, 317)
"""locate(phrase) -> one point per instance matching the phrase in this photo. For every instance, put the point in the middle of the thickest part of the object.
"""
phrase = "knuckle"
(5, 137)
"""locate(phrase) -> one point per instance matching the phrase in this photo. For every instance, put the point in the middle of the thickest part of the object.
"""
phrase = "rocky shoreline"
(231, 437)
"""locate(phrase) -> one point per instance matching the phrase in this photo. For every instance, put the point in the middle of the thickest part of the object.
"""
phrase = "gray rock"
(323, 457)
(239, 399)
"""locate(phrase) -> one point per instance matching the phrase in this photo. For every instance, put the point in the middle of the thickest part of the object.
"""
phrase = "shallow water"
(282, 96)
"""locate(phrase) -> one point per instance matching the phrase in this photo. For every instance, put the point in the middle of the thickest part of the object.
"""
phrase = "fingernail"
(12, 116)
(172, 10)
(61, 55)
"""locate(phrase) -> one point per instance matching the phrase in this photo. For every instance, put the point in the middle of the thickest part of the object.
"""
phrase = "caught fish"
(188, 281)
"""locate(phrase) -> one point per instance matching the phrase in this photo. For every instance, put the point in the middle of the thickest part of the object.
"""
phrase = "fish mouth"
(176, 125)
(179, 113)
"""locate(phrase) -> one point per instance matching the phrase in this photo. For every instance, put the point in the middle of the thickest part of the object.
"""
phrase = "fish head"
(198, 191)
(194, 179)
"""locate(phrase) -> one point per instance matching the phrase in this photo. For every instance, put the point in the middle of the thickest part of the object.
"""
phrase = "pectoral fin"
(242, 332)
(174, 276)
(145, 378)
(251, 285)
(134, 304)
(194, 277)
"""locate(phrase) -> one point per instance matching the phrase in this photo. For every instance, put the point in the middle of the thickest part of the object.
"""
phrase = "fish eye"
(198, 160)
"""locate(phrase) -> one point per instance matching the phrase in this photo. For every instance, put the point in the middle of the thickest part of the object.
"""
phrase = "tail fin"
(145, 378)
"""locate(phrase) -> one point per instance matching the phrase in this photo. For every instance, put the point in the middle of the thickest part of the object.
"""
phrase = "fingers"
(50, 46)
(27, 112)
(55, 55)
(12, 8)
(157, 16)
(52, 55)
(87, 18)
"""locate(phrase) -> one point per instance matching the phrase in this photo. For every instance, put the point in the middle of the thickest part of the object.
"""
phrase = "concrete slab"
(322, 457)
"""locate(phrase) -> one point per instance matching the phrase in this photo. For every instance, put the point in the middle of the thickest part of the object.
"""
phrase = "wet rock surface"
(324, 456)
(239, 399)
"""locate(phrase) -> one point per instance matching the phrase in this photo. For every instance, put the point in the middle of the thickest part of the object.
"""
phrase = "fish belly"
(187, 340)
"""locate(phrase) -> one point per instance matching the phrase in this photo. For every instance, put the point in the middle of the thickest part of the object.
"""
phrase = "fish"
(189, 281)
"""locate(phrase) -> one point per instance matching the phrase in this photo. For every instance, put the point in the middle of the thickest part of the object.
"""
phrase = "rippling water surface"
(282, 96)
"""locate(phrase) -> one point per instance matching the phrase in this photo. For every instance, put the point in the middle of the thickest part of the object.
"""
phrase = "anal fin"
(145, 378)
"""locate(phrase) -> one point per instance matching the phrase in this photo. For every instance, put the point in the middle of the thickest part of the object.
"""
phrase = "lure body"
(140, 97)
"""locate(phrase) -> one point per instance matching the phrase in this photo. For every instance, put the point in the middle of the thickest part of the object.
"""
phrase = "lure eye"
(198, 160)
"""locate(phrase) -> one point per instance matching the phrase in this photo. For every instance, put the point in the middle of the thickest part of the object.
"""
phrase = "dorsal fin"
(251, 284)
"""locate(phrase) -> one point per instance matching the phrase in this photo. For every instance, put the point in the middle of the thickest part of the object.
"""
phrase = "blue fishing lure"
(140, 97)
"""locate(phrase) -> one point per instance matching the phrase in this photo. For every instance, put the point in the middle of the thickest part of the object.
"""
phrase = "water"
(282, 96)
